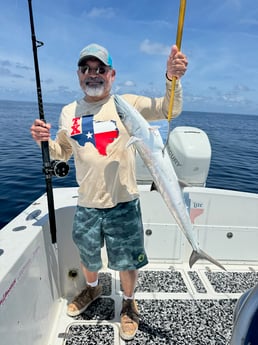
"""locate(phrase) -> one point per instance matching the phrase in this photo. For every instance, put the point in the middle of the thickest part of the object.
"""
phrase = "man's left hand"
(176, 63)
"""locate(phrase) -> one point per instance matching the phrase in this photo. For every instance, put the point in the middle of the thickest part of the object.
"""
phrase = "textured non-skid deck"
(170, 313)
(162, 322)
(82, 334)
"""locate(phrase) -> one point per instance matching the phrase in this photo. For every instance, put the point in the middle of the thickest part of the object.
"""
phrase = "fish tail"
(195, 256)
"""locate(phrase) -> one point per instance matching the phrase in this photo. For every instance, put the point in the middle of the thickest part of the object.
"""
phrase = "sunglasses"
(98, 70)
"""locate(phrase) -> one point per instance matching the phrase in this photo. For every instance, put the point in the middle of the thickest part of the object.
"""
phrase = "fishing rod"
(57, 168)
(179, 35)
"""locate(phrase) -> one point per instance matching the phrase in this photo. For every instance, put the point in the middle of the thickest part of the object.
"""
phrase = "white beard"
(93, 91)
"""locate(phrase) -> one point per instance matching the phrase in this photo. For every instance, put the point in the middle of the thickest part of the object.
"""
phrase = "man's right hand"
(40, 131)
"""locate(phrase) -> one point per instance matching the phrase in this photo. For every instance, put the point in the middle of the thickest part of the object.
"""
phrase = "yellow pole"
(179, 35)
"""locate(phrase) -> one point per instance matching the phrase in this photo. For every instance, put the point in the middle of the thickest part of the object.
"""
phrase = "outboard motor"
(245, 320)
(190, 152)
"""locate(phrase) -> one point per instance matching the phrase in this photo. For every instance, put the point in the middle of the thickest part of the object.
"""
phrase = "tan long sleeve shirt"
(95, 135)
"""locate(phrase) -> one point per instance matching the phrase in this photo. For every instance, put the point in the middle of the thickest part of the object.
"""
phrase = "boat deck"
(177, 306)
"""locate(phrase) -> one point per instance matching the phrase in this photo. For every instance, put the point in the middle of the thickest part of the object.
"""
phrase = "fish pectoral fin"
(132, 140)
(195, 256)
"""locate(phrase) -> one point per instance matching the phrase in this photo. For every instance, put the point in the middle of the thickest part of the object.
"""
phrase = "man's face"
(95, 79)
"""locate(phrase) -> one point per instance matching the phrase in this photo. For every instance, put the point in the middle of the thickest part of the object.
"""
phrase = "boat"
(178, 304)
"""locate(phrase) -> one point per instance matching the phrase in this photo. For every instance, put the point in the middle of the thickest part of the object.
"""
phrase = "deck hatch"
(197, 282)
(161, 281)
(81, 334)
(232, 282)
(195, 322)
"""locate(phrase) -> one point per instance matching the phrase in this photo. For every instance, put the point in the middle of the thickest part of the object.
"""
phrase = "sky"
(220, 39)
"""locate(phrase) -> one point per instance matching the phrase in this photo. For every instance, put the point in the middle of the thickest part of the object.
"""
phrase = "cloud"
(249, 21)
(15, 75)
(102, 12)
(6, 72)
(62, 94)
(153, 48)
(237, 95)
(8, 69)
(21, 66)
(124, 87)
(233, 99)
(241, 88)
(5, 63)
(129, 83)
(48, 81)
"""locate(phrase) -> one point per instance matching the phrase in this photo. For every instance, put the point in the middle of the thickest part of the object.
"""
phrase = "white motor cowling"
(190, 152)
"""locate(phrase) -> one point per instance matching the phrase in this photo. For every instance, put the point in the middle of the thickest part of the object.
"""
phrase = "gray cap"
(97, 51)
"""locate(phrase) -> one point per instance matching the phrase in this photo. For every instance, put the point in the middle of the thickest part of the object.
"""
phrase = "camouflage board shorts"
(122, 230)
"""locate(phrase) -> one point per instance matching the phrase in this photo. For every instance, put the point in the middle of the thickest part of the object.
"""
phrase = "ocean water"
(233, 138)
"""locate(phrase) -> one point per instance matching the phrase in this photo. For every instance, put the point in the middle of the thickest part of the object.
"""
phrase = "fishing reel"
(57, 168)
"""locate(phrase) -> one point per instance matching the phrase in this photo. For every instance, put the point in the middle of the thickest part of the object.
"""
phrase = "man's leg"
(128, 281)
(129, 313)
(87, 237)
(92, 291)
(124, 235)
(90, 277)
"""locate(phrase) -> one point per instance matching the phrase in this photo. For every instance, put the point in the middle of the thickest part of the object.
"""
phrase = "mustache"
(94, 80)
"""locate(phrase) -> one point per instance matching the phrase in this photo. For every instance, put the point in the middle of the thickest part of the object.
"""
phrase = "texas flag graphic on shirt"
(99, 133)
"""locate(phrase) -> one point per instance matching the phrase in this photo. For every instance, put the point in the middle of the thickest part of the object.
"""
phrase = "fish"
(244, 330)
(149, 145)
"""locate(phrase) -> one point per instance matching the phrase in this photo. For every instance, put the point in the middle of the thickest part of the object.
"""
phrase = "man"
(108, 204)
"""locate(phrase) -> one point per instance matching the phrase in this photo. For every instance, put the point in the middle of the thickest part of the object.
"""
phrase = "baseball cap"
(96, 51)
